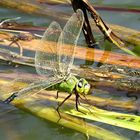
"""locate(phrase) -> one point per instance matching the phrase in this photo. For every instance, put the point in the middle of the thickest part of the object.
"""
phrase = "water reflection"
(18, 125)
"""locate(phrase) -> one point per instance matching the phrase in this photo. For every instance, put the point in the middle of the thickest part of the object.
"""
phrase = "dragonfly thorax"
(68, 84)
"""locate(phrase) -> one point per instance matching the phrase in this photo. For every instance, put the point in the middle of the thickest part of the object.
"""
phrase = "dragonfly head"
(82, 86)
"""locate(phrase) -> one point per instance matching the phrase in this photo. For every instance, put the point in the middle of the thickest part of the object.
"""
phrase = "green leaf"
(118, 119)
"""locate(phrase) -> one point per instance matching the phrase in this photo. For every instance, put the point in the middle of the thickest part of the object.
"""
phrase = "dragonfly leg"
(78, 102)
(57, 109)
(86, 100)
(87, 103)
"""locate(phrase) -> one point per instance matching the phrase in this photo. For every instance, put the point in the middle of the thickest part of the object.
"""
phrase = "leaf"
(128, 121)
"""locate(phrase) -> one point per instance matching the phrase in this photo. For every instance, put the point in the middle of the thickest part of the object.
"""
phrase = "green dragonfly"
(55, 64)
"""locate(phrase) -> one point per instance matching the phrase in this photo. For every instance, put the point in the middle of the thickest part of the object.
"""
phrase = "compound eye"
(80, 84)
(87, 86)
(81, 80)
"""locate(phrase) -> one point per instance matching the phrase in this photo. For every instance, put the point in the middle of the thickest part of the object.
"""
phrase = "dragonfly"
(55, 64)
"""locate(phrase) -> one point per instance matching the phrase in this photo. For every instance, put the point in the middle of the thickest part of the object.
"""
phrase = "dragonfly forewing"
(68, 40)
(46, 62)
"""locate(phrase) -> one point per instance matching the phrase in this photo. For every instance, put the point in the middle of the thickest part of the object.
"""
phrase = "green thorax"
(67, 85)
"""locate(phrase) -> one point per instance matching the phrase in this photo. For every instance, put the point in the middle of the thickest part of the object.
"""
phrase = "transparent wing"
(46, 58)
(12, 88)
(46, 63)
(38, 86)
(68, 40)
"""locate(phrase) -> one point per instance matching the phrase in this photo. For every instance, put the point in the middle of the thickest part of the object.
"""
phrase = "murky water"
(18, 125)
